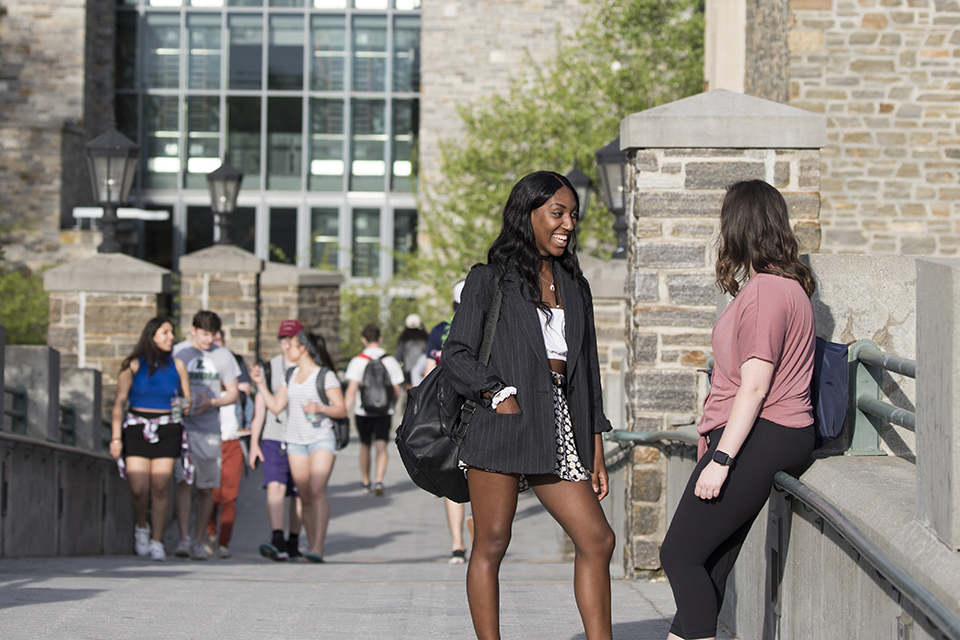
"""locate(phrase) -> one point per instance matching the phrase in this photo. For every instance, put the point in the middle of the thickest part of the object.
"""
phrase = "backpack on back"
(828, 390)
(376, 390)
(341, 426)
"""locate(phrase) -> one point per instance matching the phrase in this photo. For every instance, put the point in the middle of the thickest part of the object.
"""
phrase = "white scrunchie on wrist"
(505, 393)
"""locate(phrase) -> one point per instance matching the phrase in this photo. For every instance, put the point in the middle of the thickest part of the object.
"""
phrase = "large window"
(315, 101)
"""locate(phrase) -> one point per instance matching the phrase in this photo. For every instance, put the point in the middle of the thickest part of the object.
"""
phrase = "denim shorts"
(326, 442)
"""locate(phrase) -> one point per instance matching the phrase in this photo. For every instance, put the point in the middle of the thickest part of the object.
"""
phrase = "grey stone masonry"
(471, 50)
(98, 308)
(681, 158)
(310, 295)
(884, 73)
(225, 280)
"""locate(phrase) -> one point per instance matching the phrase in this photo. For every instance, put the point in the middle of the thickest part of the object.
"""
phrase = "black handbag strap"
(486, 346)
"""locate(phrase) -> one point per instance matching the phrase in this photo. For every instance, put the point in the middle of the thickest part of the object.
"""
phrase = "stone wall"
(884, 72)
(471, 50)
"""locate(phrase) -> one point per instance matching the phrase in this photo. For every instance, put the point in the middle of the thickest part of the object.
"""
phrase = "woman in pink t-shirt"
(757, 419)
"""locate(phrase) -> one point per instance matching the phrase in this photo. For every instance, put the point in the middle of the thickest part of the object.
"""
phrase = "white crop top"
(554, 334)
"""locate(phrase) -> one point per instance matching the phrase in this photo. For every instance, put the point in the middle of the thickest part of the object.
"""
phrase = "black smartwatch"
(722, 459)
(494, 390)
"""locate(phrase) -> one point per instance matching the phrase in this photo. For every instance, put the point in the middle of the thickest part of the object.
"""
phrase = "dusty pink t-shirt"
(771, 318)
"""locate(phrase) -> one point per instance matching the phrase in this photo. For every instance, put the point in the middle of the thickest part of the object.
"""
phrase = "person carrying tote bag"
(539, 415)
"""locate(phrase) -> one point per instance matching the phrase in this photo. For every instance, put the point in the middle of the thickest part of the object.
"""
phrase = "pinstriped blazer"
(524, 442)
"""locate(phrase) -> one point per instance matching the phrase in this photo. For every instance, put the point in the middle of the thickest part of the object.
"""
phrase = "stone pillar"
(83, 389)
(310, 295)
(37, 369)
(938, 398)
(681, 158)
(223, 279)
(98, 308)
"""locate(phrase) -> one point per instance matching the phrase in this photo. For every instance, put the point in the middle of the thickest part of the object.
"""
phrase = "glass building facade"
(316, 101)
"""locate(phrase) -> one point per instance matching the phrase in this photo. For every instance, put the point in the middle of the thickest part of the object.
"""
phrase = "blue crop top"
(154, 392)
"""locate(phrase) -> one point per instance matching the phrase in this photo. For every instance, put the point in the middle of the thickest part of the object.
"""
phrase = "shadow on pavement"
(656, 629)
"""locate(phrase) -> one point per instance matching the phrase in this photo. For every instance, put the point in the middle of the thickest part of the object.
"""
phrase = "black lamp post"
(612, 165)
(582, 183)
(224, 185)
(112, 159)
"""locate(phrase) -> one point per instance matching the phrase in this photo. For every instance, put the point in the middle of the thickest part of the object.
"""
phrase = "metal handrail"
(649, 437)
(936, 611)
(56, 446)
(867, 409)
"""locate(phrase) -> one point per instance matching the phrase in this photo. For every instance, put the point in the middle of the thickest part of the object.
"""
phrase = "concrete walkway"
(386, 577)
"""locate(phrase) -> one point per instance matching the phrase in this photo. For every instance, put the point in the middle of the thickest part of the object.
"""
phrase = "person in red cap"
(277, 479)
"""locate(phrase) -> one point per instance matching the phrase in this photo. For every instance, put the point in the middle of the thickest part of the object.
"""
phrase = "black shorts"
(169, 445)
(373, 428)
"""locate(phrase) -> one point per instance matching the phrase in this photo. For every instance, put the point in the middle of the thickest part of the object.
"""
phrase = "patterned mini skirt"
(568, 465)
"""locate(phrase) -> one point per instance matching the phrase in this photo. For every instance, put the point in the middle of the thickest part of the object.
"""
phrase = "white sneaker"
(223, 553)
(183, 549)
(156, 551)
(197, 552)
(210, 545)
(141, 540)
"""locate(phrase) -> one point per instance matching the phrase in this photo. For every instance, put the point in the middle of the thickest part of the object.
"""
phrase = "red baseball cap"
(289, 328)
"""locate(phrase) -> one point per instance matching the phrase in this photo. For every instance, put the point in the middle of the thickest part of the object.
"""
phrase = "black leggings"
(705, 536)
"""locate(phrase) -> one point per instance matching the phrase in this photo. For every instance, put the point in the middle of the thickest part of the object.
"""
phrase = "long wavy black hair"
(317, 348)
(755, 232)
(156, 358)
(517, 246)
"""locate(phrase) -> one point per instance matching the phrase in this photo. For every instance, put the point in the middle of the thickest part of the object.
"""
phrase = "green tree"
(25, 309)
(628, 56)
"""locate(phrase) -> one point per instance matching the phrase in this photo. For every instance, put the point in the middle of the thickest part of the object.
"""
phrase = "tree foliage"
(25, 306)
(628, 56)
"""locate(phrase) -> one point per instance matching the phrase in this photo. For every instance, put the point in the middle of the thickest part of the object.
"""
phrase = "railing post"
(37, 369)
(938, 398)
(864, 382)
(82, 389)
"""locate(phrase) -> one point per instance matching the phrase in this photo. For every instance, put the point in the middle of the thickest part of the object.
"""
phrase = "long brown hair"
(755, 232)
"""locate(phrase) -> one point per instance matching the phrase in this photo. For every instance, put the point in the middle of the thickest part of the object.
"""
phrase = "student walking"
(209, 368)
(270, 450)
(373, 422)
(309, 436)
(757, 419)
(233, 418)
(540, 413)
(149, 435)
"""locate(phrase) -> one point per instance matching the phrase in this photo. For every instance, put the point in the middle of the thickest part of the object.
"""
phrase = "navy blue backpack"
(828, 390)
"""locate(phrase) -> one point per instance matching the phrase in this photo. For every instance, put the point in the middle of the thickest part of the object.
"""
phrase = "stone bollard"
(83, 390)
(37, 370)
(938, 398)
(98, 308)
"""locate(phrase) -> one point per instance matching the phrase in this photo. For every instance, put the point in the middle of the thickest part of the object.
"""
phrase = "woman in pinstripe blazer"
(540, 415)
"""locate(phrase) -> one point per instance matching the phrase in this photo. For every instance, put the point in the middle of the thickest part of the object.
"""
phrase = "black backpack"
(341, 426)
(376, 390)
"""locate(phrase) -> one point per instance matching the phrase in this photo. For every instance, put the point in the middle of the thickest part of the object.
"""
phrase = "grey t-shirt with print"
(207, 370)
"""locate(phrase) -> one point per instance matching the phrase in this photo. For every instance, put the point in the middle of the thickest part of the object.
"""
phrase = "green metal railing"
(866, 410)
(18, 408)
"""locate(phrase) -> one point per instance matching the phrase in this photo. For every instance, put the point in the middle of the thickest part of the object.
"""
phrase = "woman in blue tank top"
(148, 434)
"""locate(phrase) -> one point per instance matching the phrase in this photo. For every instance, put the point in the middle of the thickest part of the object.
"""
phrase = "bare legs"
(276, 494)
(380, 448)
(576, 508)
(150, 481)
(455, 522)
(312, 475)
(204, 509)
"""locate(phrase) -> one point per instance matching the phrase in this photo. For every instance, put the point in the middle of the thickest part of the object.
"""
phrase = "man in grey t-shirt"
(209, 368)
